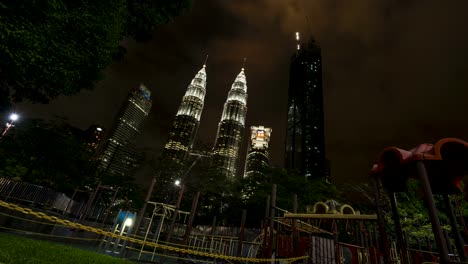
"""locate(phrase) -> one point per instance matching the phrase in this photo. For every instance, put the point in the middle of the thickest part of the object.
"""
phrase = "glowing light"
(14, 117)
(177, 183)
(298, 46)
(128, 222)
(98, 129)
(297, 35)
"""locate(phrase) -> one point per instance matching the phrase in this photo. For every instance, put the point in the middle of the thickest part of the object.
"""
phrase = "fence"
(45, 198)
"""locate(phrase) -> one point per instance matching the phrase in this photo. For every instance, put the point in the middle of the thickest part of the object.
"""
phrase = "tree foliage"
(53, 154)
(227, 201)
(51, 48)
(47, 154)
(414, 216)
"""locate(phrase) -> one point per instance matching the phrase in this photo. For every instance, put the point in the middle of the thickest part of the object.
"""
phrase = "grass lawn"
(15, 249)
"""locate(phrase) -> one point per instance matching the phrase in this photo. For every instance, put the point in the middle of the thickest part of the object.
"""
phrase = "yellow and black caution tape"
(138, 241)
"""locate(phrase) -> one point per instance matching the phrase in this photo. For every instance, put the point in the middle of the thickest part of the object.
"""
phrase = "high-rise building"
(231, 128)
(183, 131)
(93, 137)
(305, 144)
(118, 153)
(257, 155)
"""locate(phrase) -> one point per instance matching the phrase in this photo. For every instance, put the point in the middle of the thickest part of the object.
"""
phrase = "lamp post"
(12, 119)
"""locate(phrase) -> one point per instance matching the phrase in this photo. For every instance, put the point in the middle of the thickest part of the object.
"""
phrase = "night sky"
(395, 73)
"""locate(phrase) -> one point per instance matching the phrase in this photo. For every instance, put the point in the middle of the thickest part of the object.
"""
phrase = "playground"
(162, 233)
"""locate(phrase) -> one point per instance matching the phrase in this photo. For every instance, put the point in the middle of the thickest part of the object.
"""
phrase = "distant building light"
(98, 129)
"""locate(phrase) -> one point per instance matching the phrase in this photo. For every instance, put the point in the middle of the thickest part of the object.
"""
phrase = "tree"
(227, 201)
(48, 154)
(51, 48)
(413, 214)
(145, 15)
(308, 191)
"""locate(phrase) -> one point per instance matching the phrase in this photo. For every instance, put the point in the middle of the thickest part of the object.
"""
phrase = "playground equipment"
(161, 212)
(440, 168)
(122, 226)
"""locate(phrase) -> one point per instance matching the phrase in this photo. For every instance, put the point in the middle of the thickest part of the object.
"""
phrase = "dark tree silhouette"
(51, 48)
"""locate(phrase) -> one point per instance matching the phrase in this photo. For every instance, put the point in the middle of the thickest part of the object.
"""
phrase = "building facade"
(230, 129)
(93, 137)
(184, 130)
(257, 160)
(305, 144)
(118, 156)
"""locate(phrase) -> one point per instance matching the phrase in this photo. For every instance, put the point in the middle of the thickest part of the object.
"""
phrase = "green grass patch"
(15, 249)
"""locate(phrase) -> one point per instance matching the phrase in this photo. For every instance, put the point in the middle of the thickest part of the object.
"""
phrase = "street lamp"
(12, 118)
(177, 183)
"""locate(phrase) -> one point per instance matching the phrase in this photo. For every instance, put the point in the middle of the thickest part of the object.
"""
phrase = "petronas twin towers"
(225, 153)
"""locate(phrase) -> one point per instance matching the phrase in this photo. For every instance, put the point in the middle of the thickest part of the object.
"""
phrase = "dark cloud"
(394, 72)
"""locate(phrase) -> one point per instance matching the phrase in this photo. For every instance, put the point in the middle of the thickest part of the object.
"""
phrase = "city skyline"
(381, 87)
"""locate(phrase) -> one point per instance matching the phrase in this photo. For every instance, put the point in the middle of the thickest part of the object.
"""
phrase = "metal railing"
(42, 197)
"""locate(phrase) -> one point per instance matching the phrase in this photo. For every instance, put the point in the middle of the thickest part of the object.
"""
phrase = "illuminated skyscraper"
(305, 144)
(183, 131)
(93, 137)
(231, 128)
(118, 153)
(257, 156)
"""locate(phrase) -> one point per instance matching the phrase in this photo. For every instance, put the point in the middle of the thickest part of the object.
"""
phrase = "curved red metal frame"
(421, 152)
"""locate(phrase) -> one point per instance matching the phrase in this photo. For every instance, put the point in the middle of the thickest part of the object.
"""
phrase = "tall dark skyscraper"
(184, 130)
(257, 155)
(305, 144)
(118, 153)
(231, 128)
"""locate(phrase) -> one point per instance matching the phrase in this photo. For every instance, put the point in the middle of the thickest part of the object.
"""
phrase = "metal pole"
(295, 234)
(428, 243)
(455, 231)
(241, 233)
(381, 222)
(462, 221)
(398, 230)
(213, 225)
(176, 211)
(71, 199)
(193, 211)
(438, 235)
(141, 214)
(110, 206)
(272, 219)
(146, 233)
(188, 229)
(265, 227)
(90, 202)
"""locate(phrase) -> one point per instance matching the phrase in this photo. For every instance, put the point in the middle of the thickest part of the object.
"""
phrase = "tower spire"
(183, 132)
(206, 59)
(231, 127)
